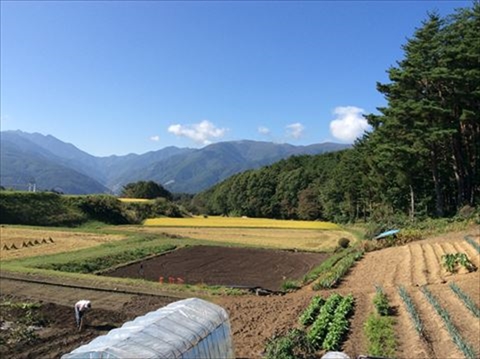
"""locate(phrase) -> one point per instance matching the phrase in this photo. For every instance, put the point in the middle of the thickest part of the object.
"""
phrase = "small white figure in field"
(81, 308)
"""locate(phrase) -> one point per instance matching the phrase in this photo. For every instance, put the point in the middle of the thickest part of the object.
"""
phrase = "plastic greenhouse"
(190, 328)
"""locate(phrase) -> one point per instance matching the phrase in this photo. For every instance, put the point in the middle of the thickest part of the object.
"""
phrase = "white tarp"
(190, 328)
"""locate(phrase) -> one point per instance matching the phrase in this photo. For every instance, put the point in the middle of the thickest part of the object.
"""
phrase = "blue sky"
(118, 77)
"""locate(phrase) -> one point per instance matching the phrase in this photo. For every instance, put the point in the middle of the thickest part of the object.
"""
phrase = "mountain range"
(51, 164)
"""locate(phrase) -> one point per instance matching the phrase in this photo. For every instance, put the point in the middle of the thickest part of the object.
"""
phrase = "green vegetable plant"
(331, 278)
(380, 334)
(319, 329)
(380, 301)
(310, 313)
(451, 260)
(340, 324)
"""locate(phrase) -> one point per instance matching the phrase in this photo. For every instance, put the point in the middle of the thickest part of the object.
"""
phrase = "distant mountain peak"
(181, 169)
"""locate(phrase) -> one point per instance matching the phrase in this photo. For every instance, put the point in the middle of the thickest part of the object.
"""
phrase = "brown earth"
(254, 319)
(227, 266)
(56, 332)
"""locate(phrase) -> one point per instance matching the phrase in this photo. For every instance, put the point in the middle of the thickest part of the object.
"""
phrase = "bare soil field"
(33, 242)
(56, 333)
(227, 266)
(254, 319)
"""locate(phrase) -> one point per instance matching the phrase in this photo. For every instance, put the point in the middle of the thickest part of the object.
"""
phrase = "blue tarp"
(387, 233)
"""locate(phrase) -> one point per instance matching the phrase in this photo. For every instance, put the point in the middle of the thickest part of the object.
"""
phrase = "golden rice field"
(278, 238)
(40, 243)
(238, 222)
(127, 200)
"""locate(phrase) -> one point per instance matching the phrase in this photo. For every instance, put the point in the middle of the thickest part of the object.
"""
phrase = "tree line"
(420, 158)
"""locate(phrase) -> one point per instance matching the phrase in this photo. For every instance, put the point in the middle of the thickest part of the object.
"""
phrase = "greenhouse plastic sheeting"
(190, 328)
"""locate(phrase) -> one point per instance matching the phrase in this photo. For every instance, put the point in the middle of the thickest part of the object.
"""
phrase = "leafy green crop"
(380, 301)
(450, 261)
(331, 278)
(319, 329)
(310, 313)
(340, 324)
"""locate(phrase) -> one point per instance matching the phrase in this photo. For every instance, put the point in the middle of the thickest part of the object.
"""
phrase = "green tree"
(145, 189)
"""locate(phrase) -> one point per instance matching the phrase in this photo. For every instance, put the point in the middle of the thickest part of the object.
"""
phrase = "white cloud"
(202, 132)
(263, 130)
(295, 130)
(348, 124)
(155, 138)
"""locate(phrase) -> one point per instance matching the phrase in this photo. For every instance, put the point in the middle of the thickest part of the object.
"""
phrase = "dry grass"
(238, 222)
(40, 243)
(263, 237)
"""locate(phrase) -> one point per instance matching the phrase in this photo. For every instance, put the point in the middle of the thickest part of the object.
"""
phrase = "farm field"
(301, 239)
(46, 241)
(227, 266)
(237, 222)
(254, 319)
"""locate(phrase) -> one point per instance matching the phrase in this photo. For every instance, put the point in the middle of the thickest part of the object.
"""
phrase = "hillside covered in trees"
(420, 159)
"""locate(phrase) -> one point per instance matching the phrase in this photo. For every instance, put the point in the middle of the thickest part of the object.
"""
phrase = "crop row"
(331, 324)
(379, 327)
(310, 313)
(412, 311)
(466, 348)
(332, 277)
(472, 242)
(469, 303)
(326, 265)
(324, 326)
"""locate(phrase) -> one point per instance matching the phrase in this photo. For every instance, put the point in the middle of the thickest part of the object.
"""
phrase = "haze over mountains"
(50, 163)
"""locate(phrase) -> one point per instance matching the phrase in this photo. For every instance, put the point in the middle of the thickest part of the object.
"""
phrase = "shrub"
(344, 242)
(103, 208)
(38, 208)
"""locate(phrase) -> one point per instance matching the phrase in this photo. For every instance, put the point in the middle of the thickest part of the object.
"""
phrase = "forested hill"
(421, 157)
(53, 164)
